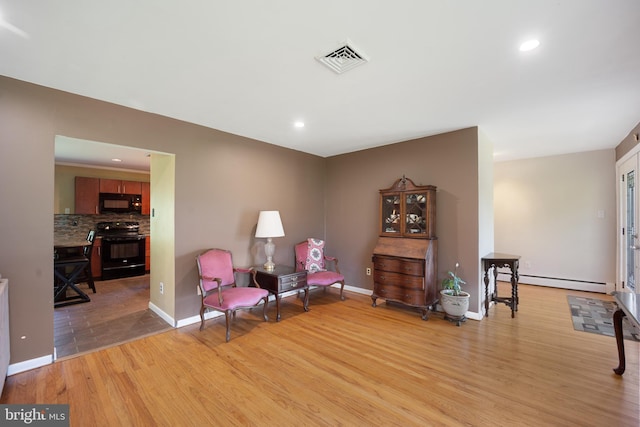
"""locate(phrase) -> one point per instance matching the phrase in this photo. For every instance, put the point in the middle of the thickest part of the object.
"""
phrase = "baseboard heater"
(5, 350)
(555, 282)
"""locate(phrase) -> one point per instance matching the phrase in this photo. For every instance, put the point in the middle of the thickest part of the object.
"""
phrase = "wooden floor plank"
(347, 363)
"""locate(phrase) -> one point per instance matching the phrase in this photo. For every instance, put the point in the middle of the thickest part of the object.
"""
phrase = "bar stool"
(86, 275)
(66, 271)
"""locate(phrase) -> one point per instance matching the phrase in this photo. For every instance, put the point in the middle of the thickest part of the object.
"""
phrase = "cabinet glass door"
(415, 213)
(391, 214)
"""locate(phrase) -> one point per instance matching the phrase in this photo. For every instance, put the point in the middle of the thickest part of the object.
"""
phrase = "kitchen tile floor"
(118, 312)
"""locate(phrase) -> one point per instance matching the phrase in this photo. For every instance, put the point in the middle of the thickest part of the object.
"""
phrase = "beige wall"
(547, 210)
(162, 225)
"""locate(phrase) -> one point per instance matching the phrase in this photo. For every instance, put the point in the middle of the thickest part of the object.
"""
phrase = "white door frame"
(627, 163)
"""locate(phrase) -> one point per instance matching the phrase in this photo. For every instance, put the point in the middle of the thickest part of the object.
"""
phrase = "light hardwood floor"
(347, 363)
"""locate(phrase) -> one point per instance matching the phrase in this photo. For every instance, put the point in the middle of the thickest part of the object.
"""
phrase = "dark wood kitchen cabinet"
(405, 255)
(87, 195)
(96, 258)
(120, 186)
(146, 198)
(147, 254)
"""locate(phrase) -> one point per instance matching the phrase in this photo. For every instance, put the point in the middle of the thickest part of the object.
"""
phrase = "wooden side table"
(629, 306)
(496, 260)
(282, 279)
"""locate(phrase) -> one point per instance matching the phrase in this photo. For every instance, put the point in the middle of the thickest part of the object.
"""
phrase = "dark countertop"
(69, 242)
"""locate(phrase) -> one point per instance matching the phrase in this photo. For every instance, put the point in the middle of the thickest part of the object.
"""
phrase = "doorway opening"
(123, 308)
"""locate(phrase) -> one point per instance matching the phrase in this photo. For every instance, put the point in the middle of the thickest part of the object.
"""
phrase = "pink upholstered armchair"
(310, 256)
(219, 290)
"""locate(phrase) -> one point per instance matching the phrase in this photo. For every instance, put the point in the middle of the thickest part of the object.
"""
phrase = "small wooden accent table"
(496, 260)
(282, 279)
(629, 306)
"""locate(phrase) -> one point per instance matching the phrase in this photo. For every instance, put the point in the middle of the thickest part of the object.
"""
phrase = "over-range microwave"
(120, 203)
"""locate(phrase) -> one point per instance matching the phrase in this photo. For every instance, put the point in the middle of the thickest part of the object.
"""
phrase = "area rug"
(596, 316)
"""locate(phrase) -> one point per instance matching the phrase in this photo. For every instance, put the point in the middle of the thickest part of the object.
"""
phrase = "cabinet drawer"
(404, 266)
(397, 279)
(401, 294)
(292, 281)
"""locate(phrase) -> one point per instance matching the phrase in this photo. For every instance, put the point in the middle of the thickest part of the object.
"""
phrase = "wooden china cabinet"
(405, 256)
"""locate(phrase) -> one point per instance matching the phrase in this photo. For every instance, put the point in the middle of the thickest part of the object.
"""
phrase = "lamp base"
(269, 250)
(269, 265)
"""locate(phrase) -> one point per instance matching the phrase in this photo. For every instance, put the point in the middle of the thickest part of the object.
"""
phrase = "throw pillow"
(315, 255)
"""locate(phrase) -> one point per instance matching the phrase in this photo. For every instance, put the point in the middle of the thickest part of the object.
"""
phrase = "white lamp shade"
(269, 224)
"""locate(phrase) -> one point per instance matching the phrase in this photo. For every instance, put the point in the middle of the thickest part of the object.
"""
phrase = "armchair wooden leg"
(227, 316)
(202, 317)
(264, 309)
(342, 290)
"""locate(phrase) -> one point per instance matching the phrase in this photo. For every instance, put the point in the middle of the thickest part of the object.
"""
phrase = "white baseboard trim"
(355, 289)
(212, 314)
(563, 284)
(474, 316)
(469, 314)
(28, 365)
(164, 316)
(552, 282)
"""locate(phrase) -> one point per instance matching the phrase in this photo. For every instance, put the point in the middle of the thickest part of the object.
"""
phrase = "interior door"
(629, 242)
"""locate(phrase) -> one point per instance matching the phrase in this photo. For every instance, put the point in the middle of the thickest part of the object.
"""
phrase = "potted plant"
(454, 301)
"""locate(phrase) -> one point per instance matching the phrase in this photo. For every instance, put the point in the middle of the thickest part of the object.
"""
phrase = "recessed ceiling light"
(529, 45)
(116, 160)
(299, 124)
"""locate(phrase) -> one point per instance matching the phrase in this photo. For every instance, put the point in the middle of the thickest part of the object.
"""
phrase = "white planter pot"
(455, 306)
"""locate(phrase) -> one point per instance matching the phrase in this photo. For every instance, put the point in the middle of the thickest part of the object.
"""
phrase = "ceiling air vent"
(343, 58)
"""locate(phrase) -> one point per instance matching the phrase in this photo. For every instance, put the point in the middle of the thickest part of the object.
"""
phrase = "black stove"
(119, 230)
(123, 249)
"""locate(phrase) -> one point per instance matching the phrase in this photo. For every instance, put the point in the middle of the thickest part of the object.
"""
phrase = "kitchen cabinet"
(86, 196)
(120, 186)
(146, 198)
(96, 258)
(87, 193)
(147, 254)
(405, 256)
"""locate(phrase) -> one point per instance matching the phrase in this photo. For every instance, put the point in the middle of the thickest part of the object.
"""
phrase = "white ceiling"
(248, 67)
(74, 151)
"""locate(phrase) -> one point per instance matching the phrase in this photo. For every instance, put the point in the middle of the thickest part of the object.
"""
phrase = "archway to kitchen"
(123, 308)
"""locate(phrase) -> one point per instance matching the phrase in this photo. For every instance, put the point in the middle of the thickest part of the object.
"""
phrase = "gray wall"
(222, 181)
(448, 161)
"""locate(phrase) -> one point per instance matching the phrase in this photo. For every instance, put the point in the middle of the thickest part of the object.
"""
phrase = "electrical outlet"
(161, 288)
(368, 271)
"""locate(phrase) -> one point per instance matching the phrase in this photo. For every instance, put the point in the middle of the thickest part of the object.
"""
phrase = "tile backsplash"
(77, 226)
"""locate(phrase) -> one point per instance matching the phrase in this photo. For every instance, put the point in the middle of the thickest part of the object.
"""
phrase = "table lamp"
(269, 226)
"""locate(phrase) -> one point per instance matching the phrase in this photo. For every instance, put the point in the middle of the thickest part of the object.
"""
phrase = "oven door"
(122, 257)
